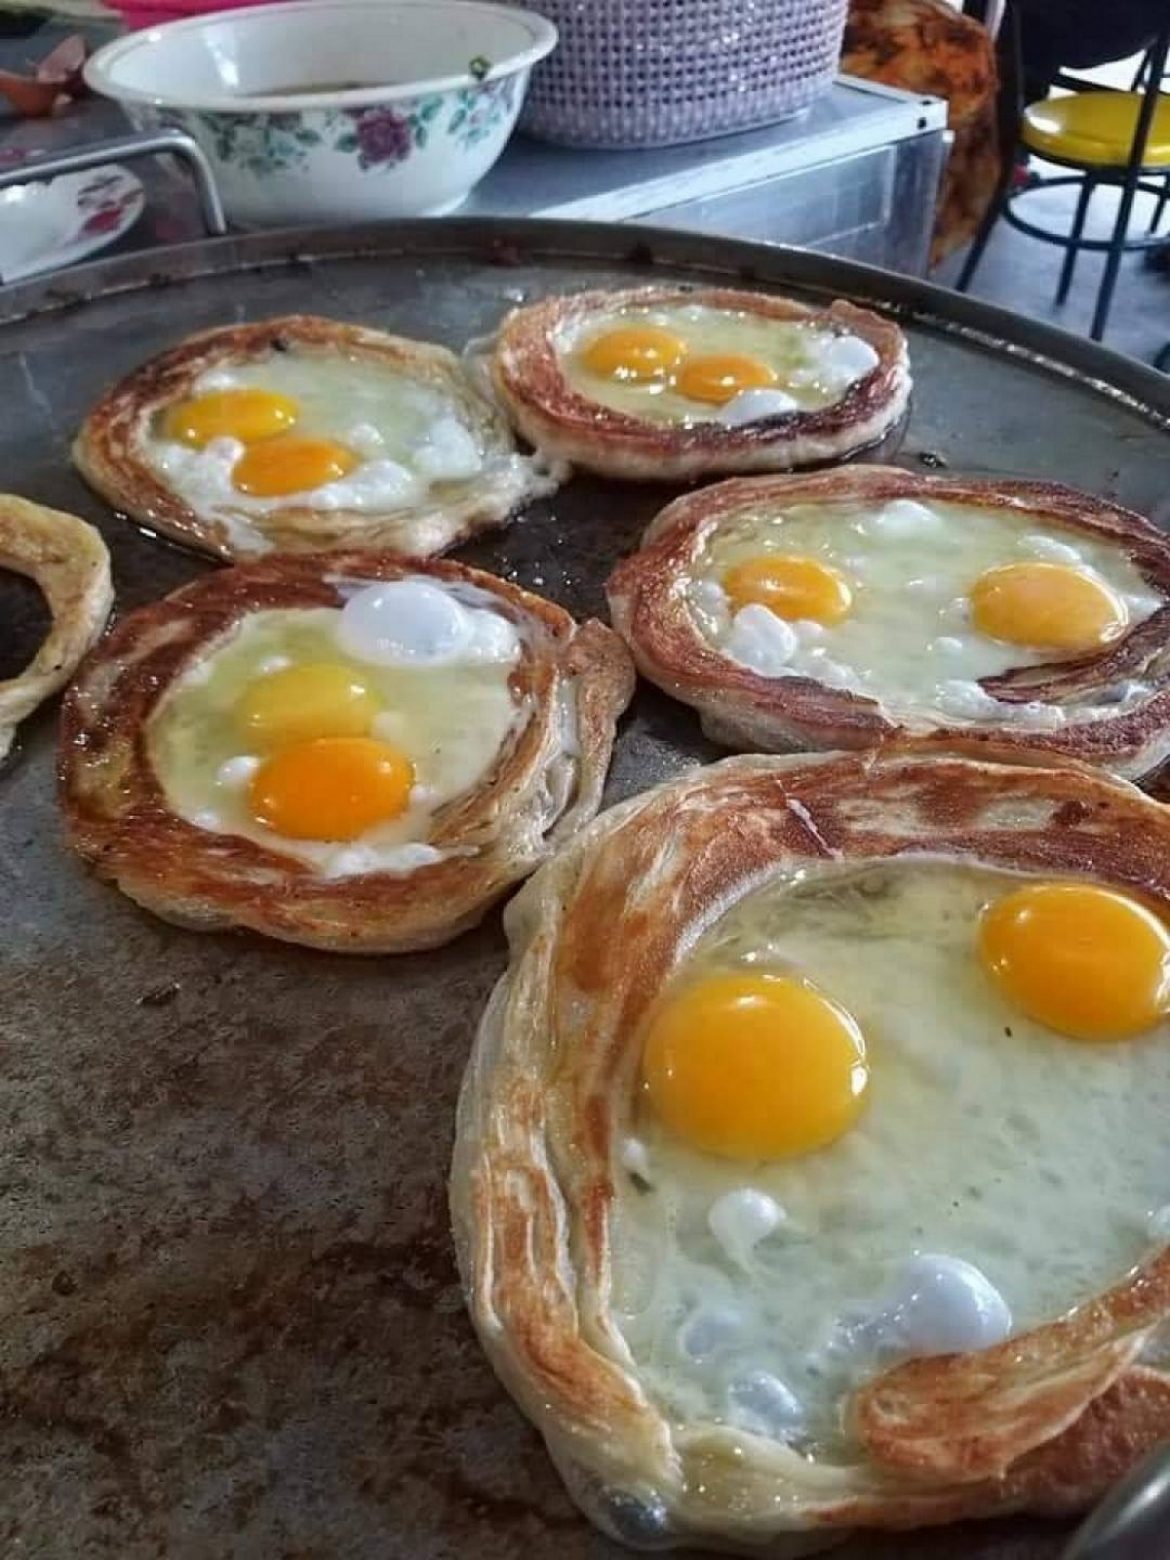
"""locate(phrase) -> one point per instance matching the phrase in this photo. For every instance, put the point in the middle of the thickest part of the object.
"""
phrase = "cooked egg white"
(695, 364)
(997, 1174)
(896, 617)
(416, 622)
(402, 436)
(443, 710)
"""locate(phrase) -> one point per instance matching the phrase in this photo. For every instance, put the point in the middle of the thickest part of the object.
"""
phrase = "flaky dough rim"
(67, 560)
(107, 452)
(117, 816)
(566, 425)
(741, 708)
(1042, 1423)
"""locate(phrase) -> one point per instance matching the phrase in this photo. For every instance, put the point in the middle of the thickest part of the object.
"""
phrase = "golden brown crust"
(1041, 1423)
(566, 425)
(539, 792)
(743, 709)
(109, 455)
(69, 563)
(971, 1416)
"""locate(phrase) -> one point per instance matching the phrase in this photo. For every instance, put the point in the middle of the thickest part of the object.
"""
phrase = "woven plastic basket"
(659, 72)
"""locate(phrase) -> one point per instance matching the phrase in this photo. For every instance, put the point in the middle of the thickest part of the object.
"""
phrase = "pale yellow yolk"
(717, 379)
(1085, 961)
(333, 788)
(754, 1066)
(790, 585)
(291, 465)
(634, 352)
(316, 699)
(1046, 606)
(246, 415)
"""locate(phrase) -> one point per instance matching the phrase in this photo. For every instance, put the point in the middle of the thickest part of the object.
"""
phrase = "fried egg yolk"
(315, 699)
(753, 1067)
(718, 379)
(634, 352)
(332, 788)
(246, 415)
(1085, 961)
(792, 586)
(1046, 606)
(291, 465)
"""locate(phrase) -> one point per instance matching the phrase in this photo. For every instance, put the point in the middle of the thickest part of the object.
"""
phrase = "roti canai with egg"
(348, 750)
(302, 434)
(811, 1168)
(836, 609)
(666, 383)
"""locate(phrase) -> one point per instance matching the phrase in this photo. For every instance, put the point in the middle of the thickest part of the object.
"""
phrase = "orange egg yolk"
(332, 788)
(246, 415)
(754, 1066)
(717, 379)
(291, 465)
(634, 352)
(1046, 606)
(316, 699)
(1085, 961)
(791, 586)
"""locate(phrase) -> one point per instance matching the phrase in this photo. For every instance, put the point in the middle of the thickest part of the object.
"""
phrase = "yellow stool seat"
(1096, 129)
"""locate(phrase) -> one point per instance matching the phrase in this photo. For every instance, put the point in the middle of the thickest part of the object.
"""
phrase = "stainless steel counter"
(856, 175)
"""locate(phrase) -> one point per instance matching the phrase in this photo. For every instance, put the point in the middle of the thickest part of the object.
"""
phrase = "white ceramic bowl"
(334, 110)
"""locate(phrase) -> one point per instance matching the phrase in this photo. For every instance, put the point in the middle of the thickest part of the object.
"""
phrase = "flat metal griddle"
(229, 1316)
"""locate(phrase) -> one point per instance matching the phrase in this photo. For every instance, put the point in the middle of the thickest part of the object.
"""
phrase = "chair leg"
(1160, 205)
(1137, 152)
(1088, 185)
(986, 228)
(1112, 266)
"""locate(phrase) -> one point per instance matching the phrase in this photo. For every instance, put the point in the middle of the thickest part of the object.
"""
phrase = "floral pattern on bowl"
(386, 108)
(380, 137)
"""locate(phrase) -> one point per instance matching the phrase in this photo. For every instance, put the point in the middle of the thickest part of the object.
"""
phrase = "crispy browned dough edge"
(742, 709)
(68, 561)
(1043, 1423)
(106, 452)
(565, 425)
(117, 816)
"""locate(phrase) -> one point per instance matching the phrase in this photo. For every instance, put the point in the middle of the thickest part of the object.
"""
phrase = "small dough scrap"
(68, 561)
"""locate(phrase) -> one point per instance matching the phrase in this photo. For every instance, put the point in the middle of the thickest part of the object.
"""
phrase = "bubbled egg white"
(751, 406)
(741, 1219)
(414, 622)
(933, 1305)
(761, 1403)
(998, 1175)
(836, 361)
(908, 640)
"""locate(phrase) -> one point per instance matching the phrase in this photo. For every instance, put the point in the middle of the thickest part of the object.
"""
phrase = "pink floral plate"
(56, 222)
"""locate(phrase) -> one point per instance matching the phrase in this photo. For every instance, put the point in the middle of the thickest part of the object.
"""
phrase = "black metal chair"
(1106, 137)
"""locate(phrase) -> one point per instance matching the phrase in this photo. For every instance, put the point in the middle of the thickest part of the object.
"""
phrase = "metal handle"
(1133, 1521)
(125, 148)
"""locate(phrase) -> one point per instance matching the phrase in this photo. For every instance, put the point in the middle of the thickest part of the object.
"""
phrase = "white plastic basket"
(659, 72)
